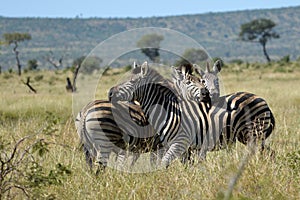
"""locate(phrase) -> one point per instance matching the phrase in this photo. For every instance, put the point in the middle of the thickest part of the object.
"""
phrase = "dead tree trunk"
(75, 76)
(72, 87)
(17, 58)
(28, 85)
(265, 52)
(69, 86)
(55, 63)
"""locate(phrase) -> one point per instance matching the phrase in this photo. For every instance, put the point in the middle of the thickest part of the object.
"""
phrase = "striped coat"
(104, 128)
(240, 116)
(181, 124)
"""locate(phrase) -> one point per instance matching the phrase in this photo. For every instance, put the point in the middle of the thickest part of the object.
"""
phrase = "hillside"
(217, 32)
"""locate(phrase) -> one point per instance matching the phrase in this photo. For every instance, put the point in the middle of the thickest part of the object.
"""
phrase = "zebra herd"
(170, 119)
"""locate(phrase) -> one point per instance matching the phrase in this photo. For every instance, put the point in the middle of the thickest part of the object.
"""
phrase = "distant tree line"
(259, 31)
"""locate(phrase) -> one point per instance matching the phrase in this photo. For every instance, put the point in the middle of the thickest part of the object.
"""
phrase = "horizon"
(154, 16)
(131, 8)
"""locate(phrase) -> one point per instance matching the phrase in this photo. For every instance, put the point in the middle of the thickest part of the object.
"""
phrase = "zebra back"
(242, 116)
(104, 128)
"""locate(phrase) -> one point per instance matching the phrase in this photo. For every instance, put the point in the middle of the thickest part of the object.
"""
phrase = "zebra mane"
(164, 82)
(151, 75)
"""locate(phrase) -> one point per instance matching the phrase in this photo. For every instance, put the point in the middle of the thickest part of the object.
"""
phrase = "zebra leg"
(135, 157)
(155, 157)
(178, 147)
(88, 157)
(121, 158)
(202, 154)
(102, 160)
(252, 138)
(186, 158)
(266, 151)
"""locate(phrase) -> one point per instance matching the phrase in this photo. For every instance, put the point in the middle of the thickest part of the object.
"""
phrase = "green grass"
(49, 113)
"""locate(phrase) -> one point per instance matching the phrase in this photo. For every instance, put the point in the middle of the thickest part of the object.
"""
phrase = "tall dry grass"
(23, 113)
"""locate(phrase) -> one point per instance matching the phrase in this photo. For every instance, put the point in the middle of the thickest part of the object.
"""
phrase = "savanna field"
(49, 164)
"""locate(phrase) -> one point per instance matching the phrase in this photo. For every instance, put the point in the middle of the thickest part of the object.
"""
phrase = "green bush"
(285, 59)
(293, 161)
(237, 61)
(38, 77)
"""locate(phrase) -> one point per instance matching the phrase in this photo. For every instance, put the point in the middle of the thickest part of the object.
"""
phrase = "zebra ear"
(144, 68)
(135, 68)
(176, 74)
(207, 67)
(217, 66)
(198, 70)
(134, 65)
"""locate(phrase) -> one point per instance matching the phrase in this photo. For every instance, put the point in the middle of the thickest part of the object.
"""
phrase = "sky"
(129, 8)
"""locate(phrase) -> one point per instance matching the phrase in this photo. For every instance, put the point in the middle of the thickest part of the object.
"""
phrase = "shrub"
(285, 59)
(237, 61)
(22, 172)
(38, 77)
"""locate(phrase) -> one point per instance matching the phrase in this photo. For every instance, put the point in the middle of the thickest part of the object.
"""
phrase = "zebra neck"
(160, 105)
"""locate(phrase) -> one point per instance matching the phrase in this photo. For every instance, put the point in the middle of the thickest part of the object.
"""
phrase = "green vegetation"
(89, 64)
(216, 32)
(32, 64)
(261, 31)
(149, 45)
(54, 166)
(14, 39)
(195, 56)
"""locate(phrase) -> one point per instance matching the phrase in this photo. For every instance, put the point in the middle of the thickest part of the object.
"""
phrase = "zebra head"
(210, 79)
(189, 86)
(132, 89)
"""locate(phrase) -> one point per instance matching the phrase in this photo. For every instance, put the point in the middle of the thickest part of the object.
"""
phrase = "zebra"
(181, 124)
(210, 78)
(241, 116)
(100, 133)
(104, 128)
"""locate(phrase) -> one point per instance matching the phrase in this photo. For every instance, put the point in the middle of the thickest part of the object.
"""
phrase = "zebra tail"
(82, 132)
(272, 125)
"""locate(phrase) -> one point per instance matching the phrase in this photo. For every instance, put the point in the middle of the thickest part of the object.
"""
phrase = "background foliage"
(217, 32)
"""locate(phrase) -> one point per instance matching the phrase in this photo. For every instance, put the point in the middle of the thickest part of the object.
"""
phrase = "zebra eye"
(216, 82)
(203, 81)
(188, 82)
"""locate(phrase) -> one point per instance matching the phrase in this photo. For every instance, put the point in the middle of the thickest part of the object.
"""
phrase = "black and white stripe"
(104, 128)
(210, 78)
(181, 124)
(241, 116)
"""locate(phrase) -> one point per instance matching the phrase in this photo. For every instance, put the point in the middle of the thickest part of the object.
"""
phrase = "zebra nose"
(204, 92)
(111, 93)
(215, 96)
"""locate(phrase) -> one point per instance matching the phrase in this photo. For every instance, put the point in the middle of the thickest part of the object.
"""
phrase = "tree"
(259, 30)
(78, 61)
(88, 64)
(32, 64)
(56, 63)
(192, 56)
(15, 39)
(149, 45)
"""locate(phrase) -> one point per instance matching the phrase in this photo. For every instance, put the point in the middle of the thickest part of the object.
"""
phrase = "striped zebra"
(210, 78)
(181, 124)
(104, 128)
(240, 116)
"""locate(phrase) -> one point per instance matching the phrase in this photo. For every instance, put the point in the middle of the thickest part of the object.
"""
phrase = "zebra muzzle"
(112, 94)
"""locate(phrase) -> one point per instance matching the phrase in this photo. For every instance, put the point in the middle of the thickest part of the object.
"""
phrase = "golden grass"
(23, 113)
